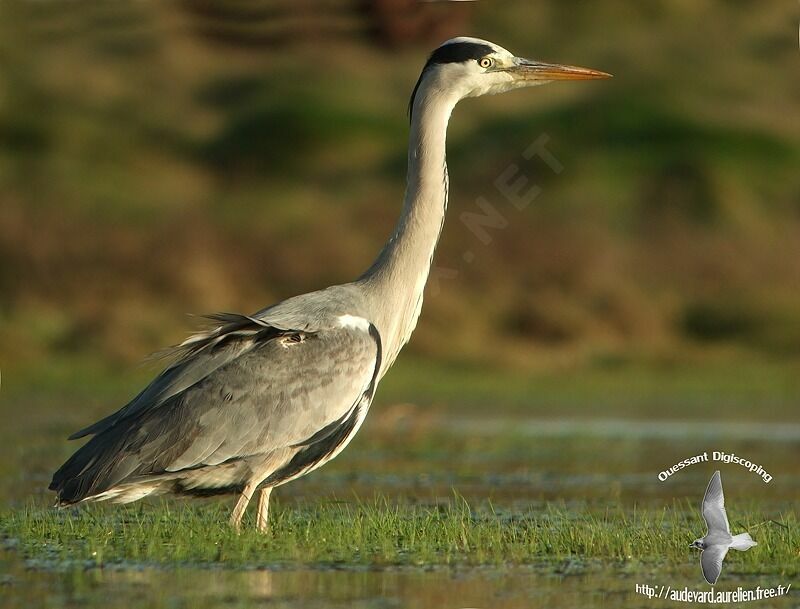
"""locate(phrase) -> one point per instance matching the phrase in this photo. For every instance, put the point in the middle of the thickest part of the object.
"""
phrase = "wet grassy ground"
(465, 497)
(380, 533)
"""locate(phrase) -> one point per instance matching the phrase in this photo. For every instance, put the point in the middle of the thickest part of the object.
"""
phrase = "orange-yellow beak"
(525, 69)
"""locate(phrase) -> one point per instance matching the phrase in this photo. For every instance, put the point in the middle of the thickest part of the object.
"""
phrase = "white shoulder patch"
(353, 321)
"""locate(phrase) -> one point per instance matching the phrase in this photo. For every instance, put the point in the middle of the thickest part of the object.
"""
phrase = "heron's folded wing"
(714, 506)
(197, 357)
(265, 393)
(282, 394)
(711, 562)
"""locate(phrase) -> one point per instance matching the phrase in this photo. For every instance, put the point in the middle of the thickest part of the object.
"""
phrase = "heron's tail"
(94, 468)
(743, 542)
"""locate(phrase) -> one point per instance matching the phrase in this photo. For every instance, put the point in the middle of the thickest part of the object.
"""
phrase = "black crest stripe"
(450, 53)
(459, 51)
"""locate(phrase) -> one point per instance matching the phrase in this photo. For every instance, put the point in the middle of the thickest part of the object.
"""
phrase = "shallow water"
(299, 588)
(138, 587)
(517, 463)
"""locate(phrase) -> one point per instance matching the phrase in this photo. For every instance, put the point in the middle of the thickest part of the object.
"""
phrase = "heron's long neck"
(396, 280)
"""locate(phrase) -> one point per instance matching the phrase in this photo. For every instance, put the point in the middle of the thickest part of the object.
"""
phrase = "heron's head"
(469, 67)
(698, 543)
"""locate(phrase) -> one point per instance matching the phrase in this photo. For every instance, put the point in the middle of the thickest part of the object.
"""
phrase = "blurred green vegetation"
(152, 165)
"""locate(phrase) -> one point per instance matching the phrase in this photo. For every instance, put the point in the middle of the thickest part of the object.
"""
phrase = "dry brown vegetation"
(157, 159)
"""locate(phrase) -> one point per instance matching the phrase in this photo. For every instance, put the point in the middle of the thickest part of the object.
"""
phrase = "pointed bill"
(526, 69)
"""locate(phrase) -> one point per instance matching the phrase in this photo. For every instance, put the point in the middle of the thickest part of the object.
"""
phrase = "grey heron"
(260, 400)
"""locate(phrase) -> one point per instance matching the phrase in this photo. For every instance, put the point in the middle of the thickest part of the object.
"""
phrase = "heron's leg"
(263, 509)
(241, 506)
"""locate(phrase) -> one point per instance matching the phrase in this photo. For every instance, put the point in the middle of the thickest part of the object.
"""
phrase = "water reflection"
(137, 587)
(422, 589)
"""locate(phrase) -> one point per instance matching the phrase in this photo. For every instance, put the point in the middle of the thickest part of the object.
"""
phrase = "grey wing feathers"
(196, 358)
(714, 506)
(711, 562)
(246, 390)
(279, 395)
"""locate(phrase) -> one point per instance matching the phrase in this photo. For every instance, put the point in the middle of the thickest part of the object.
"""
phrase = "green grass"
(380, 533)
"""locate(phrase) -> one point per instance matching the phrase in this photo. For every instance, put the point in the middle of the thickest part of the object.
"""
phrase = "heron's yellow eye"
(486, 62)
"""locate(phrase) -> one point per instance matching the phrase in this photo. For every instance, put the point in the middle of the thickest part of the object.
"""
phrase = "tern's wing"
(711, 562)
(714, 506)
